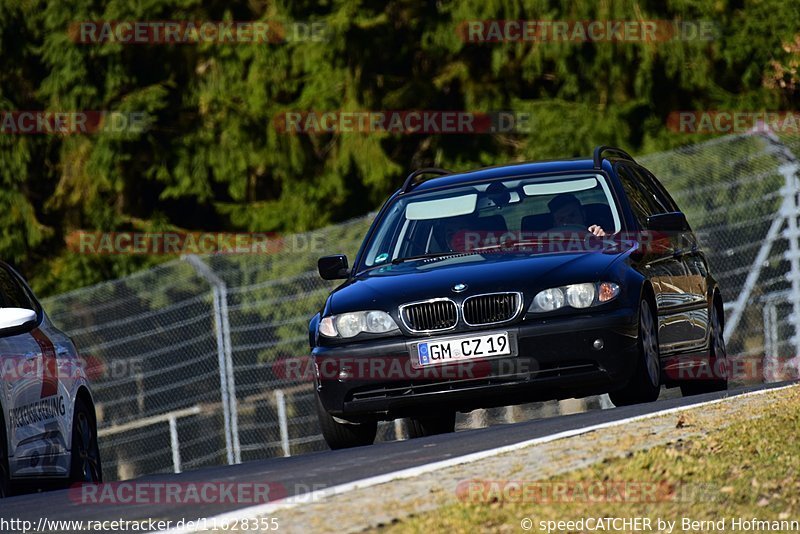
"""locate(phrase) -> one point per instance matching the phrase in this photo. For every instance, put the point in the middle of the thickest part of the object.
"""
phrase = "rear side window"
(640, 204)
(659, 190)
(653, 196)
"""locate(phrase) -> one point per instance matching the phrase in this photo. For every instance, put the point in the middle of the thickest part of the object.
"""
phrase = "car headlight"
(326, 327)
(548, 300)
(353, 323)
(580, 295)
(574, 295)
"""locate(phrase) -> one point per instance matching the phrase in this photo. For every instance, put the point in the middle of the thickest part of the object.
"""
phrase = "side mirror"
(13, 318)
(668, 222)
(333, 267)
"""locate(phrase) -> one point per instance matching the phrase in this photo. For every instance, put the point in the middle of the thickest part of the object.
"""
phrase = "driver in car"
(567, 211)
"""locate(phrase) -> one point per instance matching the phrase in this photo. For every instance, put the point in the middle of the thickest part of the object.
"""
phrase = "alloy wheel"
(88, 453)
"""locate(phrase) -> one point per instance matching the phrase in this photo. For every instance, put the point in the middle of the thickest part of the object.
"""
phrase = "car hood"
(388, 286)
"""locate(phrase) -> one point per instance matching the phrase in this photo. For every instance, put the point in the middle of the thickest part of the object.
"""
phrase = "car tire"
(717, 360)
(5, 473)
(344, 435)
(85, 464)
(645, 384)
(417, 427)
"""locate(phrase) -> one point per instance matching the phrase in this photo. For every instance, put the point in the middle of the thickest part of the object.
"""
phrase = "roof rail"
(409, 183)
(618, 152)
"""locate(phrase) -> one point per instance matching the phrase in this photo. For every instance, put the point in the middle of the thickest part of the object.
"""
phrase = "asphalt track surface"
(298, 474)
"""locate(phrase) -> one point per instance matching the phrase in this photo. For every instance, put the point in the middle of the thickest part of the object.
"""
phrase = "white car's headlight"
(574, 295)
(353, 323)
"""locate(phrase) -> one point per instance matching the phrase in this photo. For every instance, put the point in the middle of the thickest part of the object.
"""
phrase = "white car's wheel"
(86, 466)
(5, 477)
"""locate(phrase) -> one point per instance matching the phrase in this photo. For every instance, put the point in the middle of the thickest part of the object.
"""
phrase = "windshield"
(482, 216)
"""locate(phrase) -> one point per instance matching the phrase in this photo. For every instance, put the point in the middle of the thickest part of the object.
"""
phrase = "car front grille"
(492, 308)
(430, 316)
(547, 373)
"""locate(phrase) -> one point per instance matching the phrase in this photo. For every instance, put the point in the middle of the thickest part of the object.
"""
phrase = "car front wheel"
(344, 435)
(85, 464)
(645, 384)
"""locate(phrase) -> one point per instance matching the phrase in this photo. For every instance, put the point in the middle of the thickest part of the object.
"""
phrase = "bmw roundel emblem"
(458, 288)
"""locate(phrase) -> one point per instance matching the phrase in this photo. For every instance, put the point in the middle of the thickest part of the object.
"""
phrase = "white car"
(48, 432)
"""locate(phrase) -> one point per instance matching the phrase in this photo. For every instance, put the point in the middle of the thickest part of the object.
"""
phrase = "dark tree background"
(212, 159)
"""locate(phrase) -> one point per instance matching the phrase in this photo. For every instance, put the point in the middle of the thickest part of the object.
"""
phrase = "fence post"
(173, 439)
(792, 234)
(605, 402)
(770, 315)
(283, 423)
(399, 429)
(227, 384)
(234, 402)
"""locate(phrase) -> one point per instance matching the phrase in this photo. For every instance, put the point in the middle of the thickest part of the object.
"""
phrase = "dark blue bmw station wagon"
(514, 284)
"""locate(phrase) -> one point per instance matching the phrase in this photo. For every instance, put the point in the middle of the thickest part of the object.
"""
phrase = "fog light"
(598, 344)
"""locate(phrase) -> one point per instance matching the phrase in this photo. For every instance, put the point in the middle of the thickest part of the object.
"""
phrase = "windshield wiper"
(429, 256)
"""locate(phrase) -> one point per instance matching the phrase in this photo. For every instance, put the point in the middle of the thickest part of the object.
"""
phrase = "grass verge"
(721, 482)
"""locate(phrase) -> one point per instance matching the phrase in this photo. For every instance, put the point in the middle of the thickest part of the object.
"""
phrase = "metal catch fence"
(184, 356)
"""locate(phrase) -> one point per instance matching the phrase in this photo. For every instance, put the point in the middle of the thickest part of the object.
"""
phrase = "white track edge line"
(411, 472)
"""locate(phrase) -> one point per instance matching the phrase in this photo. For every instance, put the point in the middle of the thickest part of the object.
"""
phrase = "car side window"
(636, 195)
(659, 191)
(653, 196)
(12, 294)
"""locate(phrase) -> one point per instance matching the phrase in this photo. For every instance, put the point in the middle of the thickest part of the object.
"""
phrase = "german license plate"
(443, 351)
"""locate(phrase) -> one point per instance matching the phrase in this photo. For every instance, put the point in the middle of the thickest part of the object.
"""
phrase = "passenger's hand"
(597, 230)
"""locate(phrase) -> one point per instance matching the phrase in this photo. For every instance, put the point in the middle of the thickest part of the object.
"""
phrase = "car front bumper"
(556, 358)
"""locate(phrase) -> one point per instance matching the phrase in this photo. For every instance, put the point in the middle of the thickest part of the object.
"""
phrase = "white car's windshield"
(474, 217)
